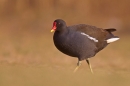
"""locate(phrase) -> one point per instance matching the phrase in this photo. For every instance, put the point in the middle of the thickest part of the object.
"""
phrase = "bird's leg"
(87, 60)
(78, 64)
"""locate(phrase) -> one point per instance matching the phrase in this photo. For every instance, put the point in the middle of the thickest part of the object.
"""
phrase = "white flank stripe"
(94, 39)
(112, 40)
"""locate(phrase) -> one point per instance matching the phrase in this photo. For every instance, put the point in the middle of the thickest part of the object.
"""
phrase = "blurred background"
(29, 58)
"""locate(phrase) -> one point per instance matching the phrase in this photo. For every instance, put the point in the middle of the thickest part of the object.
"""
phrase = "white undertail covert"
(112, 40)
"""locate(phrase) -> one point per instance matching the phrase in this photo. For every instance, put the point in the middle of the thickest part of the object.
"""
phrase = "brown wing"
(100, 34)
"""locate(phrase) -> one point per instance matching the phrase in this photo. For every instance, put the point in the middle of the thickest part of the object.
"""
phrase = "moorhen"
(81, 41)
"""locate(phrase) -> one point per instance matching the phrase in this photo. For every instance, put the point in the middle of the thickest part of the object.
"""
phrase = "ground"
(31, 59)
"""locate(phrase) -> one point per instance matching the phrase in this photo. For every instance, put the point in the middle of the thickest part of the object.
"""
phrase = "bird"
(81, 41)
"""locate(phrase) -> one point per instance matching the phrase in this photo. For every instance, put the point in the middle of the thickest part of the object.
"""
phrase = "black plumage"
(81, 41)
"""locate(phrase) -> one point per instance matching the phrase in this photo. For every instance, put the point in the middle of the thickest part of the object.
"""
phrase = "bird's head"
(58, 25)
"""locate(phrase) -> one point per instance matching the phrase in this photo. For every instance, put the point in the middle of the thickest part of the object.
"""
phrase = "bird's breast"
(66, 44)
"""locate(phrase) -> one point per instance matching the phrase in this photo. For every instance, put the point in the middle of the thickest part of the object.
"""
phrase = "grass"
(22, 75)
(34, 62)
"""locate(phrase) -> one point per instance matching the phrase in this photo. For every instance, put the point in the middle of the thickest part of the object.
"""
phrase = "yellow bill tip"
(52, 30)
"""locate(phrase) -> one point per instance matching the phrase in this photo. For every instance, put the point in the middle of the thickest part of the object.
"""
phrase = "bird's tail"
(111, 37)
(110, 30)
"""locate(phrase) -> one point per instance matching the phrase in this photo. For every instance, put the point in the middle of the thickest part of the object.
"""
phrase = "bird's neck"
(62, 30)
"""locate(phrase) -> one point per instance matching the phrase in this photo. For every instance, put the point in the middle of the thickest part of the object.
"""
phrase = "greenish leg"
(78, 65)
(87, 60)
